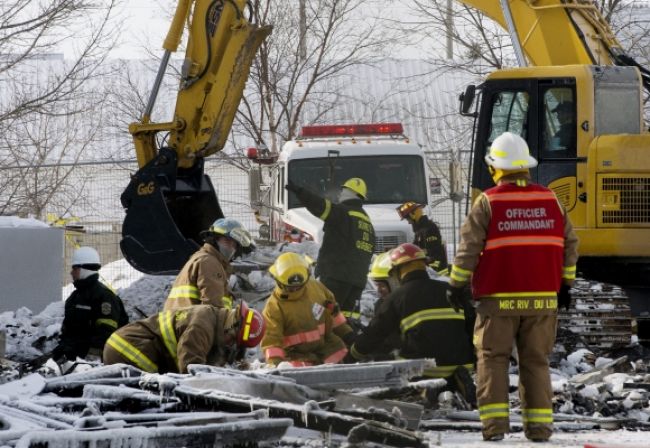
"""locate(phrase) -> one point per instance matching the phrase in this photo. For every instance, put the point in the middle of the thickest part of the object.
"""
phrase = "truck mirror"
(467, 100)
(254, 185)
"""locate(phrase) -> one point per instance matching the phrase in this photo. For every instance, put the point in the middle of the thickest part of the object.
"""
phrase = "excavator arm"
(170, 200)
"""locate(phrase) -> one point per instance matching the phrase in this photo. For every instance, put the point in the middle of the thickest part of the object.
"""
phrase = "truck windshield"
(390, 179)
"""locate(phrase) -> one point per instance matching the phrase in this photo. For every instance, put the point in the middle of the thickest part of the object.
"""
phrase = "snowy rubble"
(591, 387)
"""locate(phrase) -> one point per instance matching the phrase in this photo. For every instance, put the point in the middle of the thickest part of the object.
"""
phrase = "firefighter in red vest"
(519, 250)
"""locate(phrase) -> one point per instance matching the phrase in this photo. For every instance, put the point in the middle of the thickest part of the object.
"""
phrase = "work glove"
(349, 338)
(564, 297)
(456, 298)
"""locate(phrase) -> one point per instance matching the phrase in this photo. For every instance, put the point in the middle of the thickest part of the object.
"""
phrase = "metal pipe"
(156, 86)
(519, 51)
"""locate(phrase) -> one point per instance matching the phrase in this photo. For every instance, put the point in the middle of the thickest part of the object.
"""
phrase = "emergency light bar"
(351, 129)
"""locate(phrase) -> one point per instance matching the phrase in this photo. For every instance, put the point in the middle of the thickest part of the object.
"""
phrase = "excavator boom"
(170, 200)
(555, 32)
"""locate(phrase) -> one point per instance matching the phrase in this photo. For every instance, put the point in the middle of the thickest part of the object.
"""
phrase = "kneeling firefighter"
(172, 340)
(429, 327)
(304, 323)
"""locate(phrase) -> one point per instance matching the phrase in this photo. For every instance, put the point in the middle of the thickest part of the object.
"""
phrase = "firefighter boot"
(538, 432)
(462, 381)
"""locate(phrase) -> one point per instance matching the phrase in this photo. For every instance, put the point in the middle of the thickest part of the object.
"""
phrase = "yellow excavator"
(577, 99)
(169, 199)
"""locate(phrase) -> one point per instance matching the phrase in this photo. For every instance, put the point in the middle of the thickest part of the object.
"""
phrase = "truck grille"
(624, 200)
(386, 241)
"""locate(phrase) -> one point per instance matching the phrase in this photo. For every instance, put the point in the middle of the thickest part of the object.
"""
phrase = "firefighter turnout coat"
(304, 327)
(348, 238)
(427, 237)
(203, 280)
(429, 327)
(517, 247)
(92, 313)
(171, 340)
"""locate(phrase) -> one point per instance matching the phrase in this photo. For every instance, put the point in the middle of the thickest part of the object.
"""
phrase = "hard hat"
(407, 208)
(232, 229)
(290, 269)
(357, 185)
(406, 253)
(251, 326)
(510, 152)
(380, 267)
(85, 256)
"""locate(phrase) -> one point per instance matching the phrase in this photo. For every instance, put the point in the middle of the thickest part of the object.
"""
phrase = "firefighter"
(385, 282)
(92, 311)
(427, 235)
(348, 242)
(519, 249)
(429, 327)
(204, 278)
(199, 334)
(305, 326)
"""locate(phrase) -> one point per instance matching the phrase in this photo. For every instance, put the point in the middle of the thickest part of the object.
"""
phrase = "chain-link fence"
(88, 203)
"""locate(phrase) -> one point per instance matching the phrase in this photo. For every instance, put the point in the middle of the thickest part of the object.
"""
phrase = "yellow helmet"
(380, 267)
(357, 185)
(290, 269)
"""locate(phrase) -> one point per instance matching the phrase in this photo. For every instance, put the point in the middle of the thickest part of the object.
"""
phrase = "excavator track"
(600, 315)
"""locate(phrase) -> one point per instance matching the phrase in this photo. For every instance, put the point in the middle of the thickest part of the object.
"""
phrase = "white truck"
(325, 156)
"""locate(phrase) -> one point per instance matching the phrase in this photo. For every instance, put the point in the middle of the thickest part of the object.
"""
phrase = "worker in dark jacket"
(92, 311)
(427, 235)
(348, 242)
(199, 334)
(430, 328)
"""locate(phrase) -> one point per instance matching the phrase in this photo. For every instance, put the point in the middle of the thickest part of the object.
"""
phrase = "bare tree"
(50, 110)
(313, 42)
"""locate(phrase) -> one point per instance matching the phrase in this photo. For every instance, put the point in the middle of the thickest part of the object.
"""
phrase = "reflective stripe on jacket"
(304, 326)
(348, 238)
(171, 340)
(203, 280)
(419, 310)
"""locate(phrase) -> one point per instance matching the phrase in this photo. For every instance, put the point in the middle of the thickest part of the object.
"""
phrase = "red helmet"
(407, 208)
(405, 253)
(251, 326)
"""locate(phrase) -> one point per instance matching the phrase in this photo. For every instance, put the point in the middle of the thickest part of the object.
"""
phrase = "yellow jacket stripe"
(131, 353)
(166, 324)
(494, 410)
(431, 314)
(110, 322)
(569, 272)
(359, 215)
(460, 275)
(227, 302)
(328, 209)
(184, 292)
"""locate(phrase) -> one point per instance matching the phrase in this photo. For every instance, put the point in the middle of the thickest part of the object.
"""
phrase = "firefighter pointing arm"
(518, 249)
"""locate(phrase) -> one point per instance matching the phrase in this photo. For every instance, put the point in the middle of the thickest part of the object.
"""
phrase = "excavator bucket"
(166, 209)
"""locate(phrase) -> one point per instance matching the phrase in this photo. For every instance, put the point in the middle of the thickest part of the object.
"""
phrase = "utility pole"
(450, 22)
(302, 46)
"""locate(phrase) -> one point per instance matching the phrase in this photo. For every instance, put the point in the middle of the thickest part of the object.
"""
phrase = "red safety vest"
(524, 248)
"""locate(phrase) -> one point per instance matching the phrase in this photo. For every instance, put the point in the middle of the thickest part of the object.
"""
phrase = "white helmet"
(510, 152)
(85, 256)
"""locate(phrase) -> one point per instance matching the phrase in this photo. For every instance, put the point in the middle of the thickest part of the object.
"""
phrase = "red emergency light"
(338, 130)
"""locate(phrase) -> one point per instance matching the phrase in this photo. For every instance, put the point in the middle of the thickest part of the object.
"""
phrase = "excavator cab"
(166, 209)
